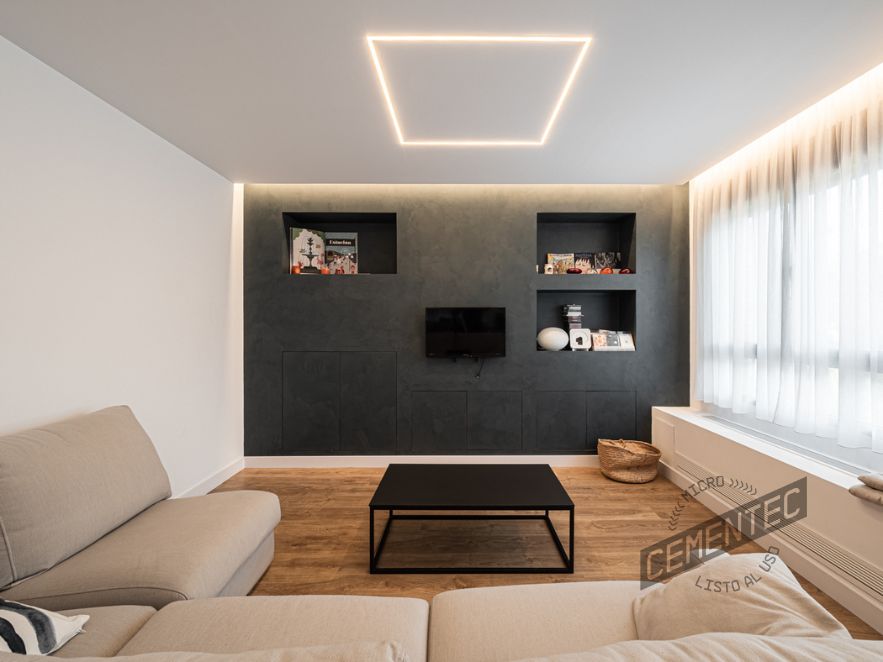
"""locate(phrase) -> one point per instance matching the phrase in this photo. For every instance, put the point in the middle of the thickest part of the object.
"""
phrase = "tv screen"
(465, 332)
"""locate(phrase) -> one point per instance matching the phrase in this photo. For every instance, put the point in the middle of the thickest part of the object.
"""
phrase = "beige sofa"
(86, 521)
(499, 624)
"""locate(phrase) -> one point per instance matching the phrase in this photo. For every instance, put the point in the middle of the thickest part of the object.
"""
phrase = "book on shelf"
(307, 250)
(612, 341)
(342, 252)
(584, 262)
(560, 262)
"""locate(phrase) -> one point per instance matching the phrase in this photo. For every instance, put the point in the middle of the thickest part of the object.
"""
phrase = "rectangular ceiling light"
(453, 39)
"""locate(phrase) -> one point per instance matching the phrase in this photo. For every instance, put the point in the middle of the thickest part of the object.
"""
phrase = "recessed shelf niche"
(377, 237)
(586, 232)
(613, 310)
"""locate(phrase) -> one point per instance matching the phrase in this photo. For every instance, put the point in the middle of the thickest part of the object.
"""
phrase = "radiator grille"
(838, 559)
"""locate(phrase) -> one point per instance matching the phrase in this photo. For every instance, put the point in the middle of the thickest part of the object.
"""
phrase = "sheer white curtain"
(788, 273)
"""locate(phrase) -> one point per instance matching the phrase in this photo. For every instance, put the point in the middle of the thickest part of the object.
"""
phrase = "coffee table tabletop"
(470, 487)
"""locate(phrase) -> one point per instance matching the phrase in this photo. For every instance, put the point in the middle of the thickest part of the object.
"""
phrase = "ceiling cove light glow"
(490, 39)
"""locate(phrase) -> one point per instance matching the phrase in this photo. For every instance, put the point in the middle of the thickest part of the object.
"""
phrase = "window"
(788, 280)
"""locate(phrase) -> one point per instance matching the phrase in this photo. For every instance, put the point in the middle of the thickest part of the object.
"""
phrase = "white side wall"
(120, 274)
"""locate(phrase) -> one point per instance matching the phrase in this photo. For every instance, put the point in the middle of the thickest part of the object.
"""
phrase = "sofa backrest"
(63, 486)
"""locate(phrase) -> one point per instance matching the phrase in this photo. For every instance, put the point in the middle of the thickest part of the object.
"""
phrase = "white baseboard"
(797, 558)
(380, 461)
(210, 483)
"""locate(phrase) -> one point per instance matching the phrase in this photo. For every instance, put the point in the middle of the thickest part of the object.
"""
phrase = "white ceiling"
(285, 91)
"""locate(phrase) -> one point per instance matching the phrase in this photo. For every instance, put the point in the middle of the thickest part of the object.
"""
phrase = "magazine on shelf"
(342, 252)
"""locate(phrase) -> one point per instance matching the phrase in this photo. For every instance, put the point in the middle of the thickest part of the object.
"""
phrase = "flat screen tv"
(465, 332)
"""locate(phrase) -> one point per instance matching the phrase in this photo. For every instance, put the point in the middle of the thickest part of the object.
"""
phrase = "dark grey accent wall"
(335, 364)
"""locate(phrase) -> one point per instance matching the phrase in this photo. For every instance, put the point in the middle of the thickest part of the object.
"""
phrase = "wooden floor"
(322, 541)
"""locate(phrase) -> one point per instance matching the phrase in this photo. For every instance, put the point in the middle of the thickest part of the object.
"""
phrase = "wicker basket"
(628, 461)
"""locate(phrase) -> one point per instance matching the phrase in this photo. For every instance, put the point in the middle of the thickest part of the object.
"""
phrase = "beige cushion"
(63, 486)
(510, 622)
(177, 549)
(874, 481)
(107, 630)
(365, 651)
(750, 593)
(867, 493)
(730, 647)
(258, 622)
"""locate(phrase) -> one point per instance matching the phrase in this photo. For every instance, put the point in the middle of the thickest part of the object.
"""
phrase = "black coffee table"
(457, 487)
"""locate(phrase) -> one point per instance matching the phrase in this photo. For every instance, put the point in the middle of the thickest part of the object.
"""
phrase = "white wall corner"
(210, 483)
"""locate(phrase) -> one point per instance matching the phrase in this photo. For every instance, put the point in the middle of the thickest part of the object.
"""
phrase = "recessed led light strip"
(585, 41)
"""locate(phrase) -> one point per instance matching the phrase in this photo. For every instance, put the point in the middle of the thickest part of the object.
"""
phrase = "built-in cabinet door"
(494, 420)
(561, 420)
(311, 401)
(610, 415)
(368, 401)
(438, 421)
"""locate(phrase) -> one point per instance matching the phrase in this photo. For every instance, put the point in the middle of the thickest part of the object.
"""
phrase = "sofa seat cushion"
(107, 630)
(514, 622)
(229, 625)
(363, 651)
(63, 486)
(177, 549)
(729, 647)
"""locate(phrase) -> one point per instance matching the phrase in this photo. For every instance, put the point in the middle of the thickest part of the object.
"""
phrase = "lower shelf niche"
(613, 310)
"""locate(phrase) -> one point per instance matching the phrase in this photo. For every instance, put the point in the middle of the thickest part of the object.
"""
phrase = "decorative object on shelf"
(625, 270)
(548, 269)
(574, 270)
(552, 339)
(341, 252)
(295, 268)
(580, 340)
(628, 461)
(308, 249)
(560, 262)
(324, 271)
(573, 315)
(583, 262)
(606, 270)
(626, 342)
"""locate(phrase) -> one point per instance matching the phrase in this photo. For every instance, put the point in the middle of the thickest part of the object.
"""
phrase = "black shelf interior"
(613, 310)
(377, 235)
(586, 232)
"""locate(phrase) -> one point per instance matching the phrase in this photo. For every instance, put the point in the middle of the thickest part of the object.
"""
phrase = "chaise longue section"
(85, 521)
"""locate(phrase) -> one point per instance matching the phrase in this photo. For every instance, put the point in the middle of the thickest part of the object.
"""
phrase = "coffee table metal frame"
(567, 556)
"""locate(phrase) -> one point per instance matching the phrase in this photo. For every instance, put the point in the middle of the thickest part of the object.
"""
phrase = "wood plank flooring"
(322, 541)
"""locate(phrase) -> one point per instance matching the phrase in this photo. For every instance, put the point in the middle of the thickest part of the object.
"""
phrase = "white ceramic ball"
(553, 339)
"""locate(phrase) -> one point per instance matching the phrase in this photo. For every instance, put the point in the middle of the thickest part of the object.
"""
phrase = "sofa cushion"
(363, 651)
(177, 549)
(107, 630)
(729, 647)
(750, 593)
(63, 486)
(511, 622)
(240, 624)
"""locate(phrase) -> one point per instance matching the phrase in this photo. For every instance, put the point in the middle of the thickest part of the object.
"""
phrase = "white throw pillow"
(750, 593)
(35, 631)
